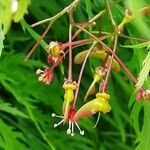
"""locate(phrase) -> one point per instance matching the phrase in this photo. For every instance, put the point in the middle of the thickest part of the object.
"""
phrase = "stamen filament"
(72, 132)
(99, 114)
(81, 131)
(69, 128)
(57, 124)
(57, 116)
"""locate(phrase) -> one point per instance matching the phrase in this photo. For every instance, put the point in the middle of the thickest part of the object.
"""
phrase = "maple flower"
(143, 94)
(99, 104)
(45, 76)
(55, 52)
(99, 73)
(68, 97)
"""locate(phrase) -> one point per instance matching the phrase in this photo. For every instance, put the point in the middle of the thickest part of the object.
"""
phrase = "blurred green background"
(26, 104)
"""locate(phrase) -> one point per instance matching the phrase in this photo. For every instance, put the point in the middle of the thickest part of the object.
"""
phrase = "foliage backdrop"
(26, 104)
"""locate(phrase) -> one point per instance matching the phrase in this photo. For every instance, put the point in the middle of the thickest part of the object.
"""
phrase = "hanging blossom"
(143, 94)
(99, 104)
(45, 76)
(98, 75)
(55, 51)
(54, 58)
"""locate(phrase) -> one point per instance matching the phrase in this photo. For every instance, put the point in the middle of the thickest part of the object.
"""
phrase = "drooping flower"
(55, 52)
(68, 97)
(98, 76)
(143, 94)
(45, 76)
(97, 53)
(99, 104)
(127, 18)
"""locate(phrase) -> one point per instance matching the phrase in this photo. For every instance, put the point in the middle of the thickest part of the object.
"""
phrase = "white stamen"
(57, 124)
(14, 6)
(81, 131)
(53, 115)
(69, 128)
(94, 23)
(99, 114)
(57, 116)
(39, 71)
(40, 78)
(72, 129)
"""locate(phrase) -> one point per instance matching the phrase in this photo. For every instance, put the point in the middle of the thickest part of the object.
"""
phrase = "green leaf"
(5, 14)
(33, 34)
(89, 9)
(9, 139)
(1, 39)
(144, 72)
(79, 58)
(7, 107)
(141, 45)
(144, 136)
(22, 10)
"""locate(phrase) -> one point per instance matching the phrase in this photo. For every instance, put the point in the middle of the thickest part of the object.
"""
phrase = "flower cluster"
(109, 61)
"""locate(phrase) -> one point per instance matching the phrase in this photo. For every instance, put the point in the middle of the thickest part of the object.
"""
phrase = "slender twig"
(133, 38)
(39, 40)
(52, 19)
(66, 9)
(124, 36)
(70, 54)
(131, 76)
(76, 43)
(105, 83)
(80, 74)
(110, 15)
(85, 41)
(95, 17)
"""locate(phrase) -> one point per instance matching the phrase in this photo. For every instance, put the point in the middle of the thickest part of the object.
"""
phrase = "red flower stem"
(130, 75)
(71, 20)
(88, 42)
(39, 40)
(94, 18)
(79, 31)
(73, 43)
(80, 74)
(85, 24)
(105, 83)
(84, 41)
(70, 54)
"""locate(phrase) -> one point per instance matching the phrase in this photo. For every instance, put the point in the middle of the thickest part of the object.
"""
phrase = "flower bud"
(98, 76)
(68, 97)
